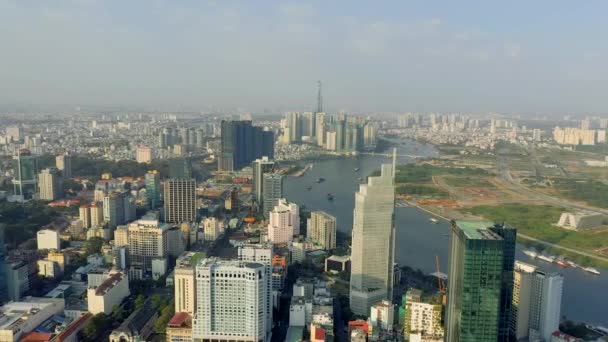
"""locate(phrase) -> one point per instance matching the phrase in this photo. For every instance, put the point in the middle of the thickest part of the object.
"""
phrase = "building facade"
(50, 184)
(179, 200)
(271, 192)
(284, 222)
(322, 229)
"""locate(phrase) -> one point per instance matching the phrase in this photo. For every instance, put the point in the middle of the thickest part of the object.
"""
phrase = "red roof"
(37, 337)
(179, 319)
(77, 324)
(320, 334)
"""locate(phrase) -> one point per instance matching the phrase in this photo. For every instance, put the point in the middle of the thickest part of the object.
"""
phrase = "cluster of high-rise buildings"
(241, 143)
(334, 133)
(578, 136)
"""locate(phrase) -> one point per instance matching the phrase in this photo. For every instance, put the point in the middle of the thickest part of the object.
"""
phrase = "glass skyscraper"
(242, 143)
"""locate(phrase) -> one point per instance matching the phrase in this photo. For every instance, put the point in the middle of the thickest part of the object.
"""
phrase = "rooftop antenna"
(319, 99)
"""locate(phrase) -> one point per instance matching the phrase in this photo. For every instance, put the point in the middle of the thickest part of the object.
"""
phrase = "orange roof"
(179, 319)
(73, 327)
(37, 337)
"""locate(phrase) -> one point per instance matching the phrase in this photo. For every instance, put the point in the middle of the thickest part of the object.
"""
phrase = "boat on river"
(531, 254)
(547, 258)
(320, 180)
(330, 197)
(434, 220)
(591, 270)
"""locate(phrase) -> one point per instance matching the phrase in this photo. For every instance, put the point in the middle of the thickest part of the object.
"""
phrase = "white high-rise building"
(146, 240)
(320, 128)
(522, 290)
(373, 241)
(230, 301)
(546, 303)
(211, 228)
(143, 154)
(321, 229)
(259, 168)
(284, 222)
(50, 184)
(262, 254)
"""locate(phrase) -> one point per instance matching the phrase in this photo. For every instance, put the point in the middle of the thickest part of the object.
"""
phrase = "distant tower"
(319, 99)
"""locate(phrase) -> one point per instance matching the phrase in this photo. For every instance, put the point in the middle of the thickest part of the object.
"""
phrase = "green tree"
(93, 245)
(165, 315)
(94, 327)
(139, 301)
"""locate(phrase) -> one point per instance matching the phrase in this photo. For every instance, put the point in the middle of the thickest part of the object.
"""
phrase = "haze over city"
(522, 57)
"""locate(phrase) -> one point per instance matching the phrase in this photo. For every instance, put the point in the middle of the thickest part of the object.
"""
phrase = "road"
(548, 244)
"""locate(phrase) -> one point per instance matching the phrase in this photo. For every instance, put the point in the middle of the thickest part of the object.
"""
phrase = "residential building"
(15, 133)
(153, 194)
(211, 228)
(147, 240)
(50, 184)
(322, 229)
(179, 200)
(382, 315)
(61, 258)
(17, 279)
(545, 303)
(480, 253)
(260, 167)
(48, 269)
(421, 315)
(48, 239)
(373, 241)
(64, 163)
(272, 191)
(143, 154)
(102, 298)
(284, 222)
(231, 301)
(114, 208)
(25, 168)
(522, 292)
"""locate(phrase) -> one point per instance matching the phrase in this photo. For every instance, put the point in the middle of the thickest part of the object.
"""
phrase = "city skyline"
(399, 56)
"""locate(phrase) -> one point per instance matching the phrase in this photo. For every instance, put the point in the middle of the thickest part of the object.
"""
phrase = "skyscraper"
(185, 282)
(147, 240)
(3, 266)
(260, 167)
(284, 222)
(479, 256)
(241, 143)
(152, 179)
(230, 301)
(114, 209)
(262, 254)
(64, 163)
(180, 168)
(373, 240)
(179, 200)
(50, 184)
(294, 127)
(509, 235)
(320, 128)
(272, 191)
(545, 303)
(25, 168)
(321, 229)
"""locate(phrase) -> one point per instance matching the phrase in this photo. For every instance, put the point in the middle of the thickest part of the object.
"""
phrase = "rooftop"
(180, 320)
(477, 229)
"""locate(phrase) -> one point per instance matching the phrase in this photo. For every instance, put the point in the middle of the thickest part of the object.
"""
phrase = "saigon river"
(418, 240)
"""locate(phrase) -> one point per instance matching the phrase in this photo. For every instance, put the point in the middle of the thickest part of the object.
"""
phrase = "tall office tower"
(230, 301)
(545, 304)
(260, 167)
(242, 143)
(478, 257)
(522, 292)
(271, 192)
(25, 167)
(147, 240)
(284, 222)
(321, 229)
(185, 282)
(509, 235)
(64, 163)
(114, 209)
(143, 154)
(261, 254)
(294, 126)
(180, 168)
(308, 124)
(180, 200)
(50, 184)
(373, 241)
(320, 128)
(152, 180)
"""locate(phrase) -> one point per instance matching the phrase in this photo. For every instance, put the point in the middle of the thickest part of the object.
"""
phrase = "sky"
(519, 57)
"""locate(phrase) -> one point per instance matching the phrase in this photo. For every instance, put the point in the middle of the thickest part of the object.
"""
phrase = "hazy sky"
(505, 56)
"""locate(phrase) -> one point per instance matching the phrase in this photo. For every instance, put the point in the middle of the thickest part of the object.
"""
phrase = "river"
(418, 240)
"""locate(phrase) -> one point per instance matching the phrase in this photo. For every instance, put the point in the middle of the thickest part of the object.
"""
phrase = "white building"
(522, 291)
(284, 222)
(19, 318)
(143, 154)
(545, 303)
(102, 298)
(48, 239)
(231, 301)
(373, 242)
(382, 315)
(50, 184)
(211, 228)
(48, 268)
(146, 240)
(321, 229)
(262, 254)
(185, 282)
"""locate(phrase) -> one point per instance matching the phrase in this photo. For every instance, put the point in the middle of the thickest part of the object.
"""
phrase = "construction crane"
(440, 282)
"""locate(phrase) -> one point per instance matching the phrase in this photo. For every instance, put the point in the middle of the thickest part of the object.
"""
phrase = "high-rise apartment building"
(284, 222)
(114, 209)
(152, 180)
(64, 163)
(25, 168)
(179, 200)
(262, 254)
(260, 167)
(421, 315)
(14, 132)
(50, 184)
(211, 228)
(321, 229)
(230, 301)
(272, 191)
(143, 154)
(522, 291)
(185, 282)
(545, 304)
(146, 240)
(480, 255)
(373, 241)
(320, 128)
(242, 143)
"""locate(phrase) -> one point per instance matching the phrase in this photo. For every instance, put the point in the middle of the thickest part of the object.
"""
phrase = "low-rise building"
(337, 264)
(102, 298)
(19, 318)
(582, 220)
(139, 326)
(179, 328)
